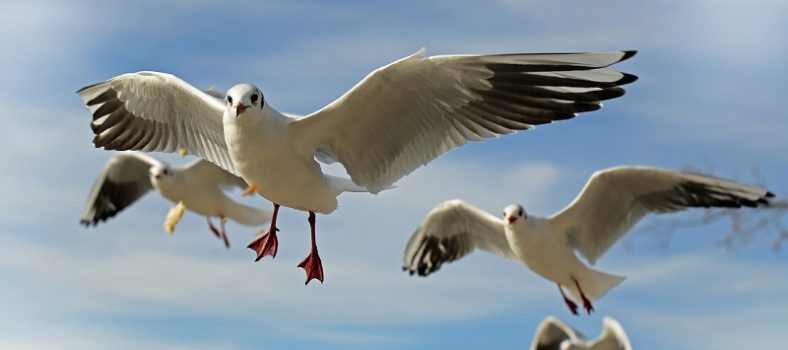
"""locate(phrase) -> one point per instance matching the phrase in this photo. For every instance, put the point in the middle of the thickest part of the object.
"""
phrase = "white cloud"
(60, 275)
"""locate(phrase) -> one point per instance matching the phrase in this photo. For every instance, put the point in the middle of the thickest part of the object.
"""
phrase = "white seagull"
(611, 203)
(127, 176)
(553, 334)
(398, 118)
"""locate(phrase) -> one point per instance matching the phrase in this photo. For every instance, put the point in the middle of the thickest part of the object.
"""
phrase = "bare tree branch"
(745, 225)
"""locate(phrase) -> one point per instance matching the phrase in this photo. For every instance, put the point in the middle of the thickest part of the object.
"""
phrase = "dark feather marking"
(526, 68)
(698, 195)
(107, 108)
(112, 131)
(434, 252)
(107, 95)
(543, 80)
(571, 106)
(599, 94)
(113, 197)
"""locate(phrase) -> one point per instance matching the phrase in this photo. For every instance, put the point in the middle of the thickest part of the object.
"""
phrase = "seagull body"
(398, 118)
(299, 182)
(200, 185)
(553, 334)
(533, 242)
(611, 203)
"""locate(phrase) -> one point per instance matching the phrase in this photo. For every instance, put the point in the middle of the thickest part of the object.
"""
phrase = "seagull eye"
(230, 99)
(520, 212)
(255, 97)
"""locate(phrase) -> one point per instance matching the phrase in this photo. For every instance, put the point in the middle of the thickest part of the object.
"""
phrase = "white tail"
(596, 284)
(246, 215)
(347, 185)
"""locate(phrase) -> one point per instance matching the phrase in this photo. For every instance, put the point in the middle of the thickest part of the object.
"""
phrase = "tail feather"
(596, 284)
(246, 215)
(347, 185)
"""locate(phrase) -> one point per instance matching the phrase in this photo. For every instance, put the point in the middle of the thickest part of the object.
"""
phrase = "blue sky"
(712, 76)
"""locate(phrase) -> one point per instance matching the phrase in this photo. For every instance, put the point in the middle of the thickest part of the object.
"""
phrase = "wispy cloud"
(709, 76)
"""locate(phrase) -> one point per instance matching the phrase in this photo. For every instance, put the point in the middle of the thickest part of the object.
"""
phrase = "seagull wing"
(403, 115)
(613, 337)
(615, 199)
(125, 179)
(209, 173)
(551, 333)
(153, 111)
(452, 230)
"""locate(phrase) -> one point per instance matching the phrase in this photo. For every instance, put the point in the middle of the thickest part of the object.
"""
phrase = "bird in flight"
(553, 334)
(200, 185)
(611, 203)
(398, 118)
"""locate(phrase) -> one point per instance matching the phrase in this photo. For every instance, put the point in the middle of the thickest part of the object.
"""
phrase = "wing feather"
(615, 199)
(209, 173)
(552, 333)
(153, 111)
(403, 115)
(450, 231)
(613, 337)
(124, 179)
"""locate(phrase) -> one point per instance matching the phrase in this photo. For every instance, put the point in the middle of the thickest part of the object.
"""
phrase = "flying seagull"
(611, 203)
(553, 334)
(398, 118)
(127, 176)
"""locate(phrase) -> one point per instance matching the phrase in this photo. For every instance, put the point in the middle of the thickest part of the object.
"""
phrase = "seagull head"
(159, 173)
(514, 212)
(242, 97)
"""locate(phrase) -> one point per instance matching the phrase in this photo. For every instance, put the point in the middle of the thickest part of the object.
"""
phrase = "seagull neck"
(271, 116)
(265, 119)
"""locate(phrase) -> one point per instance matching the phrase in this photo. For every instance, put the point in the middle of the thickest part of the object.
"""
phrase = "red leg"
(221, 234)
(222, 221)
(312, 264)
(213, 228)
(267, 244)
(586, 303)
(571, 304)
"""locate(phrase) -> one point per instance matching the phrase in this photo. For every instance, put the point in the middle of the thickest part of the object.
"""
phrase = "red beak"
(511, 219)
(240, 108)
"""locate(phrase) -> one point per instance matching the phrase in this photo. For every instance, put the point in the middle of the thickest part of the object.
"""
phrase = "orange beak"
(240, 108)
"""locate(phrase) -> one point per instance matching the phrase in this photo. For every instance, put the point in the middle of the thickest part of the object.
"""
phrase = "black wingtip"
(628, 54)
(627, 79)
(769, 194)
(86, 87)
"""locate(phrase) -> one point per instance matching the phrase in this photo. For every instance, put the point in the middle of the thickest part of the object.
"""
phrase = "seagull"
(398, 118)
(611, 203)
(127, 176)
(553, 334)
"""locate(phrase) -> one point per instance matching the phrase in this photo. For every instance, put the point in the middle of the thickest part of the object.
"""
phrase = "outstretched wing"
(209, 173)
(551, 333)
(452, 230)
(613, 337)
(152, 111)
(124, 180)
(615, 199)
(403, 115)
